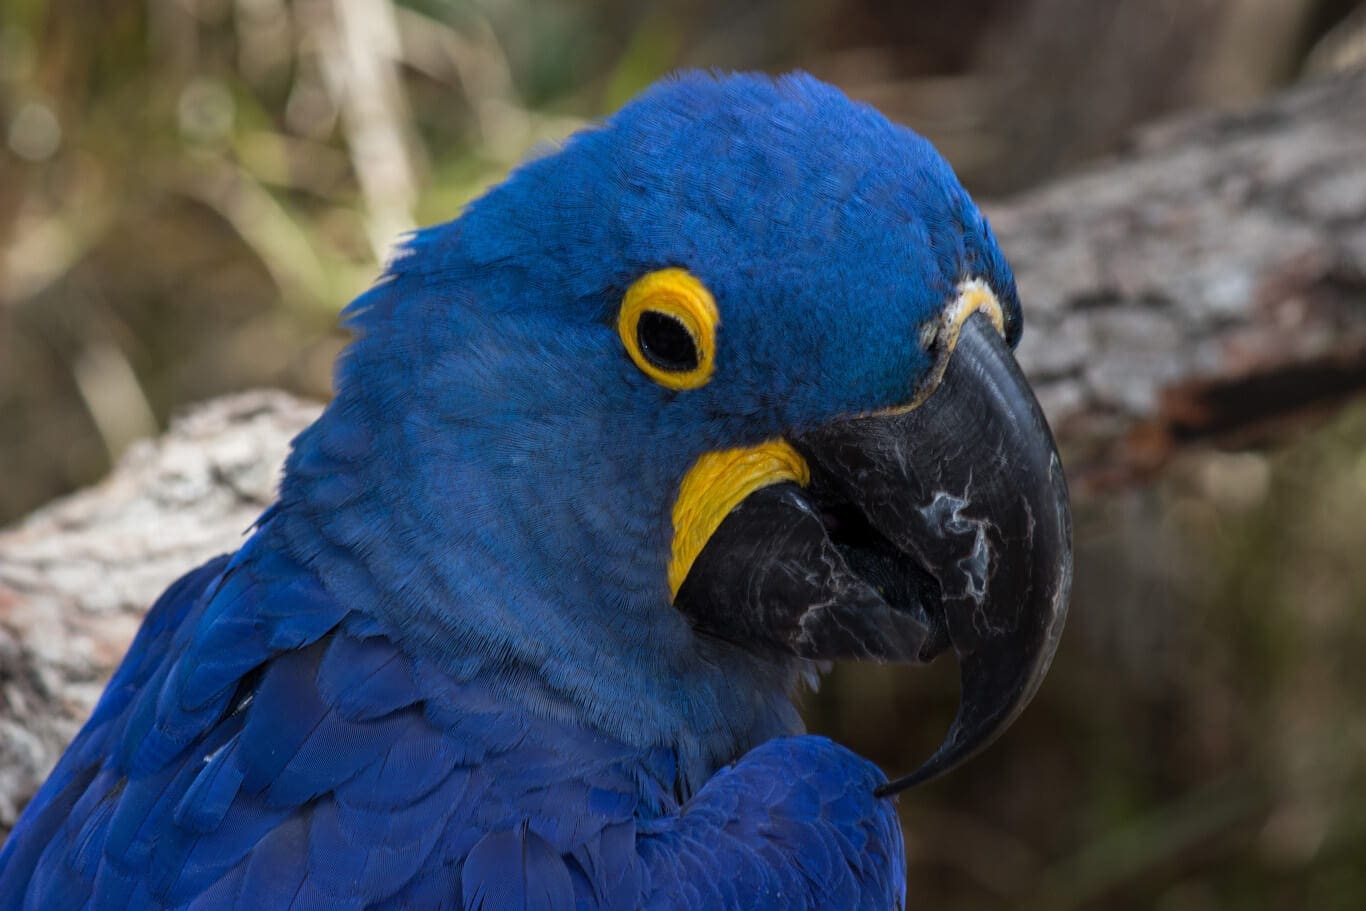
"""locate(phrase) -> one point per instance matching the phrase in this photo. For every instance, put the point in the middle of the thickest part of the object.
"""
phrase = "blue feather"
(516, 870)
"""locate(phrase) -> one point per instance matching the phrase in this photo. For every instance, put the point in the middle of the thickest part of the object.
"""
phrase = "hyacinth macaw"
(716, 393)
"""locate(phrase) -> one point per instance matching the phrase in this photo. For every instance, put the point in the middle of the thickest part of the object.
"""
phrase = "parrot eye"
(668, 324)
(666, 342)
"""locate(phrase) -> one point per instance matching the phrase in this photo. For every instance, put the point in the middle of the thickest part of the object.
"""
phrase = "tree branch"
(77, 576)
(1209, 285)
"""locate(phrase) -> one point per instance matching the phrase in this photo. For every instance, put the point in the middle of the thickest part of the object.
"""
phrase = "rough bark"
(76, 576)
(1208, 285)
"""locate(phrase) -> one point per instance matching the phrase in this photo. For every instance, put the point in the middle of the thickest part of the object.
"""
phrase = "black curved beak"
(944, 525)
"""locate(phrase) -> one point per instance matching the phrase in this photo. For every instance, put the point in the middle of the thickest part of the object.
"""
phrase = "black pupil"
(666, 342)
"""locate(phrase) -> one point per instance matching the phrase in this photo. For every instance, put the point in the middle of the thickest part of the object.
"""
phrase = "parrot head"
(721, 388)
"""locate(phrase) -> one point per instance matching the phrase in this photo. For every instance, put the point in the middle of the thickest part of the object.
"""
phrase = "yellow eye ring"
(668, 323)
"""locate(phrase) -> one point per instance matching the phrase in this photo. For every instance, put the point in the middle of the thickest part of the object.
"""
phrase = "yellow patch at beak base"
(716, 484)
(974, 295)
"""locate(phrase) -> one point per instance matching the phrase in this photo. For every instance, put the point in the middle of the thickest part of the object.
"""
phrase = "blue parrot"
(716, 393)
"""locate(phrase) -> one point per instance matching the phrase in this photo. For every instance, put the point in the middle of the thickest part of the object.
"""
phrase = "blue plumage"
(444, 672)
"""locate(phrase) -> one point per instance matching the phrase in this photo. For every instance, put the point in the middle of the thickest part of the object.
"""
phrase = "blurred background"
(190, 190)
